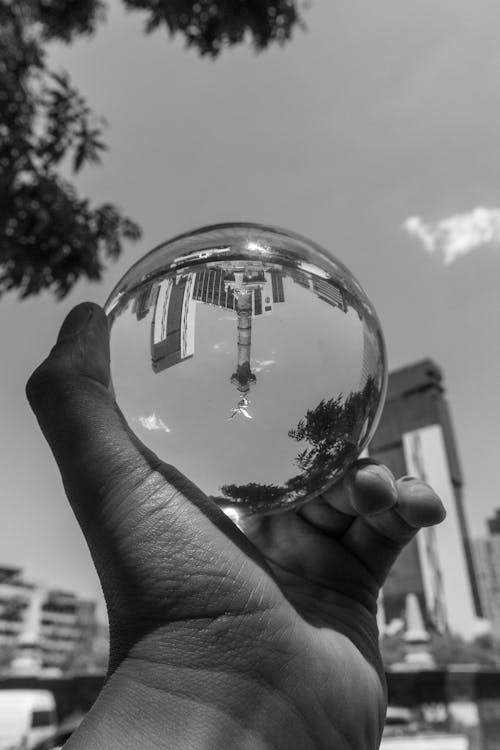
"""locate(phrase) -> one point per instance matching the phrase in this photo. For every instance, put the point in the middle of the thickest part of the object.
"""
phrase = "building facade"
(487, 559)
(415, 437)
(56, 629)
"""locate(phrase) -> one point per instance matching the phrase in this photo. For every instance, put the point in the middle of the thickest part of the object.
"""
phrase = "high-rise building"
(487, 559)
(415, 437)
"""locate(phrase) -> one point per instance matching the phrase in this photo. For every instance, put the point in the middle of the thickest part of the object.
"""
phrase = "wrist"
(196, 710)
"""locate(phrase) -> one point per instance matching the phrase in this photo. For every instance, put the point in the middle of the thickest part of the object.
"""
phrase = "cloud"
(458, 234)
(153, 423)
(263, 364)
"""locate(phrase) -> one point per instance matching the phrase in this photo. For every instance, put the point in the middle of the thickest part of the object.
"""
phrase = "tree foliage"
(211, 25)
(50, 236)
(252, 493)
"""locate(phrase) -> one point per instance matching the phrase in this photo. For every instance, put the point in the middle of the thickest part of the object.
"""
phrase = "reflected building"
(370, 361)
(173, 322)
(213, 286)
(325, 289)
(330, 293)
(415, 437)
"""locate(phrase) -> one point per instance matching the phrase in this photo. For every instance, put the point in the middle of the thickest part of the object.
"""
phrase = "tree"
(49, 236)
(211, 25)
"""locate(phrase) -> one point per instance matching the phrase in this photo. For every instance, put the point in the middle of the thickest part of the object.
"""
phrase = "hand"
(264, 641)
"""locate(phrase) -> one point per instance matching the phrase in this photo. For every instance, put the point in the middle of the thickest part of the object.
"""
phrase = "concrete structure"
(42, 628)
(415, 436)
(487, 559)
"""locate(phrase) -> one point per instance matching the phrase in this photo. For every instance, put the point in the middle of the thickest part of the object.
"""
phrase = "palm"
(303, 594)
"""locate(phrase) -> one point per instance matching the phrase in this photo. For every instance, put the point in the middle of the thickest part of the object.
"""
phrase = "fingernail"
(75, 322)
(409, 479)
(383, 474)
(420, 488)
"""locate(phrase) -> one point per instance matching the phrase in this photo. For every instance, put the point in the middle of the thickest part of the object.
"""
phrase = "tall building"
(415, 437)
(487, 559)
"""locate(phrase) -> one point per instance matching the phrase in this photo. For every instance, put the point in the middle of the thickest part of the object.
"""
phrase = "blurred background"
(371, 129)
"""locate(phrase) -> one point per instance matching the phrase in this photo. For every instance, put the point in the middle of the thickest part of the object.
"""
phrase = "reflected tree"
(50, 236)
(251, 494)
(331, 432)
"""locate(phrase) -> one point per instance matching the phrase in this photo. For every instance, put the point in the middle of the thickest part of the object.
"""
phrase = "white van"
(27, 717)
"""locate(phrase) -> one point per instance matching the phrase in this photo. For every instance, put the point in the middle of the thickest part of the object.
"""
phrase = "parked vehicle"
(403, 732)
(27, 717)
(63, 732)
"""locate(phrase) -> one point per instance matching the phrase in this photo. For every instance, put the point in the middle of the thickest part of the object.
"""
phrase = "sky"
(375, 133)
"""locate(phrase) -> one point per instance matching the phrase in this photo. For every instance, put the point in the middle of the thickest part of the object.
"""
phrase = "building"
(173, 322)
(324, 288)
(15, 595)
(415, 437)
(487, 560)
(67, 629)
(217, 286)
(46, 627)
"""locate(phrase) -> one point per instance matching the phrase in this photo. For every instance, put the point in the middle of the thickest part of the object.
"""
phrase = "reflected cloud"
(261, 365)
(153, 423)
(458, 234)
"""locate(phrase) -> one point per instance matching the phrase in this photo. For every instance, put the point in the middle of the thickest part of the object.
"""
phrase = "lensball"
(251, 359)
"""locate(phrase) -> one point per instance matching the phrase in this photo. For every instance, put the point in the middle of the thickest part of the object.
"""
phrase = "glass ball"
(251, 359)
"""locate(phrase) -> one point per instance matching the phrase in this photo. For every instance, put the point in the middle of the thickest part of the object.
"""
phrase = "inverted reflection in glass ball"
(249, 358)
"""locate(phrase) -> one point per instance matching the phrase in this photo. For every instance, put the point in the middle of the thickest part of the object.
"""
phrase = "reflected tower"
(244, 375)
(245, 282)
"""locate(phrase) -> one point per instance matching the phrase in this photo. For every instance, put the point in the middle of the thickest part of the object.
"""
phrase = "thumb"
(114, 483)
(145, 523)
(71, 398)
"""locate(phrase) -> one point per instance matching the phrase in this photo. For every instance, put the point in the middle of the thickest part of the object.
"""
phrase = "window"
(42, 719)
